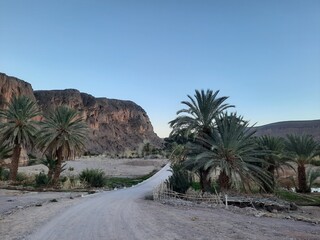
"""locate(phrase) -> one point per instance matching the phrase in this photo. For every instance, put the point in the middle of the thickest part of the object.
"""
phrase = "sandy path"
(109, 215)
(168, 222)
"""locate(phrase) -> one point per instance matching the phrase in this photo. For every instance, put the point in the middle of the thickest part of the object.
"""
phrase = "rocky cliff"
(11, 86)
(115, 125)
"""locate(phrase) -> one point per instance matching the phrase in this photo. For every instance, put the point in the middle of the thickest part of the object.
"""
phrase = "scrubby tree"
(302, 150)
(198, 118)
(18, 128)
(63, 133)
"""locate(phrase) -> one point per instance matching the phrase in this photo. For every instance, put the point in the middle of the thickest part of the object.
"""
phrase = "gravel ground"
(20, 216)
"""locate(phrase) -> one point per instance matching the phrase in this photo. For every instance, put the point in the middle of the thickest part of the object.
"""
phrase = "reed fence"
(164, 192)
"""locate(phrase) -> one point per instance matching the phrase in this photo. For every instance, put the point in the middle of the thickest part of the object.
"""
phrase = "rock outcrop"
(11, 86)
(115, 126)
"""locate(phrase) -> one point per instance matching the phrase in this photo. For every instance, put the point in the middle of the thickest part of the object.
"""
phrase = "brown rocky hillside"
(115, 125)
(281, 129)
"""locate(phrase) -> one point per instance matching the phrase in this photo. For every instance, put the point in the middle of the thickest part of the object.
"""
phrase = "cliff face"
(11, 86)
(115, 125)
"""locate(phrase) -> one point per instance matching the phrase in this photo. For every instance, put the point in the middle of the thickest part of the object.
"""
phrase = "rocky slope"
(115, 125)
(11, 86)
(281, 129)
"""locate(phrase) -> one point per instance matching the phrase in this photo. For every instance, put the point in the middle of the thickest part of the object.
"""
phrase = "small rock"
(19, 207)
(38, 205)
(10, 200)
(259, 214)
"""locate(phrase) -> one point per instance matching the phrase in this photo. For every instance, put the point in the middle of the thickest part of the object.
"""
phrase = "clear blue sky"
(265, 55)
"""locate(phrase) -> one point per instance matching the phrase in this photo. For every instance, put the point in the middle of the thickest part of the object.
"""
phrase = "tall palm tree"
(198, 118)
(302, 149)
(231, 149)
(200, 114)
(63, 133)
(272, 149)
(18, 128)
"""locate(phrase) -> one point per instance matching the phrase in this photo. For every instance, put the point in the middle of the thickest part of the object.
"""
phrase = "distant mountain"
(281, 129)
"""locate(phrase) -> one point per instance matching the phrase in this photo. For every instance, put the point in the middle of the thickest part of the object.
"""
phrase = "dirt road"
(108, 215)
(125, 215)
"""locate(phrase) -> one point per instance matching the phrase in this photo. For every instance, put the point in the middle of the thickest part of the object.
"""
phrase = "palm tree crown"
(231, 149)
(302, 149)
(200, 113)
(272, 149)
(19, 125)
(18, 128)
(63, 133)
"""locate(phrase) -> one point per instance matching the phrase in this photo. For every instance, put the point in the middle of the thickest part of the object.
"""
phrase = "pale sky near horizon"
(265, 55)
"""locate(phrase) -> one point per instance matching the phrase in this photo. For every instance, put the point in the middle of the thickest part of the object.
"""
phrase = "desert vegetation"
(60, 135)
(210, 147)
(217, 151)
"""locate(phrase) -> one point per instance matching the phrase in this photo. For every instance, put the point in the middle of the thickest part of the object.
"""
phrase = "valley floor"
(172, 222)
(19, 218)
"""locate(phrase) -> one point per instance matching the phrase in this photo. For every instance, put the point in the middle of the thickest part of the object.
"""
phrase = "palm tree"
(200, 113)
(199, 119)
(302, 150)
(18, 128)
(63, 133)
(231, 149)
(272, 149)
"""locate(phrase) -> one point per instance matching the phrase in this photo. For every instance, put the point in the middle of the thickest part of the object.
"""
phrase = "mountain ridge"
(282, 128)
(115, 126)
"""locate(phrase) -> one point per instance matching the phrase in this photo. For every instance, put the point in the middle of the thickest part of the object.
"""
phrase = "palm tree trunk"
(269, 186)
(50, 173)
(57, 169)
(302, 179)
(224, 181)
(15, 162)
(205, 181)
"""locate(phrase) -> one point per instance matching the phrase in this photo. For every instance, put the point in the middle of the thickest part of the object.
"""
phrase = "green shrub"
(4, 174)
(42, 179)
(196, 186)
(33, 160)
(215, 188)
(180, 180)
(93, 177)
(315, 162)
(21, 177)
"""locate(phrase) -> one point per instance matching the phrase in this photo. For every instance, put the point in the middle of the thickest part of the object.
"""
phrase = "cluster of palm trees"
(218, 141)
(61, 133)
